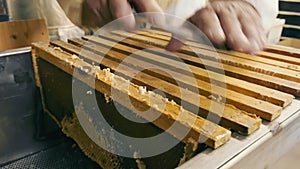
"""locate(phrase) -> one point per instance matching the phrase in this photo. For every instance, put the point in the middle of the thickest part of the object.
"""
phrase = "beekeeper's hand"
(234, 23)
(108, 10)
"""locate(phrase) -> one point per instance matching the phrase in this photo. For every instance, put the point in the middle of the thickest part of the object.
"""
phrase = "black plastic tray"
(4, 18)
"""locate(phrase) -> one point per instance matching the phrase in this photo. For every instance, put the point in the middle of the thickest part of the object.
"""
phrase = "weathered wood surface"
(275, 49)
(293, 52)
(225, 59)
(230, 118)
(17, 34)
(170, 113)
(265, 60)
(262, 77)
(226, 87)
(246, 103)
(250, 89)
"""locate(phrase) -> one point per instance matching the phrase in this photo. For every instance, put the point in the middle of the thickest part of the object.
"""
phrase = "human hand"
(233, 23)
(109, 10)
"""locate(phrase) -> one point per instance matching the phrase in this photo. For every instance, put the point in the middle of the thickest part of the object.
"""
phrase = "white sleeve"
(59, 25)
(268, 10)
(181, 8)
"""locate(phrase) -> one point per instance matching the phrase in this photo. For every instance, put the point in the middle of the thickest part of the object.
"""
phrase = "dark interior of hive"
(56, 88)
(58, 100)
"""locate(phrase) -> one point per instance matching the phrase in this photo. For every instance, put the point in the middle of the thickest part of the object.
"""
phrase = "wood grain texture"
(230, 118)
(250, 89)
(225, 59)
(263, 109)
(216, 136)
(288, 51)
(18, 34)
(265, 78)
(276, 55)
(255, 58)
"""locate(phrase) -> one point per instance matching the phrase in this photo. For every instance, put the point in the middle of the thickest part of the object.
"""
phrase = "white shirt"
(267, 9)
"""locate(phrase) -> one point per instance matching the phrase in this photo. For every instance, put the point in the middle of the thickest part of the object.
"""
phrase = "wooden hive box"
(253, 89)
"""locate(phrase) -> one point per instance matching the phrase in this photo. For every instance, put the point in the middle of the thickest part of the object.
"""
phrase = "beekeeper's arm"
(240, 25)
(108, 10)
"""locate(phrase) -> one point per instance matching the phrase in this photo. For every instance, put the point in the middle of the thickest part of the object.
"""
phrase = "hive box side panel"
(17, 34)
